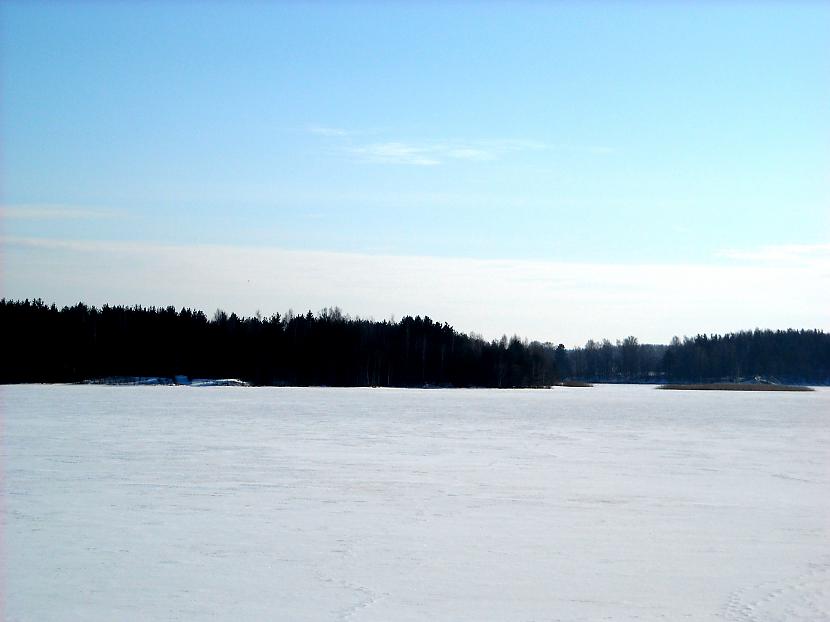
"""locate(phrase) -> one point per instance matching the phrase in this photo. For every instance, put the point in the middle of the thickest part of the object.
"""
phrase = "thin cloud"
(782, 253)
(515, 144)
(398, 153)
(56, 212)
(431, 153)
(470, 153)
(435, 152)
(425, 154)
(546, 300)
(321, 130)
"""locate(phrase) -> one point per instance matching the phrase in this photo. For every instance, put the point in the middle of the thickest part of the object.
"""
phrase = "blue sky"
(567, 135)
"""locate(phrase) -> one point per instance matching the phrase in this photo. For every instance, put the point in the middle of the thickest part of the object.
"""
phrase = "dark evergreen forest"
(787, 356)
(44, 343)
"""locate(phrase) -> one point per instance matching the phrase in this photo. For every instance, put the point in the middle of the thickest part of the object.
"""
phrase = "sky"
(561, 171)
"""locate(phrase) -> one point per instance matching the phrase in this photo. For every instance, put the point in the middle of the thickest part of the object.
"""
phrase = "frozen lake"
(612, 503)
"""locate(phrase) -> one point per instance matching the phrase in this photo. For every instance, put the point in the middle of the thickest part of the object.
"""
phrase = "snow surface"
(610, 503)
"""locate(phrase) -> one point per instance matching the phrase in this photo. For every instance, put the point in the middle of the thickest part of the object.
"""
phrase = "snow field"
(609, 503)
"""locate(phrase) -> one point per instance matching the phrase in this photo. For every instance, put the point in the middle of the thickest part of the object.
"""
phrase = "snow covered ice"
(610, 503)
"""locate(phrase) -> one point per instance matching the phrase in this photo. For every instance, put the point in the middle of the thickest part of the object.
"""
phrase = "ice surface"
(611, 503)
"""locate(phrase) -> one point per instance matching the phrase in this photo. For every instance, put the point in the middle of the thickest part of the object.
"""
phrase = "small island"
(734, 386)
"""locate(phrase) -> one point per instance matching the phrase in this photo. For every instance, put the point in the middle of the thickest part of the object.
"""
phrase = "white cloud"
(563, 301)
(434, 152)
(398, 153)
(56, 212)
(426, 154)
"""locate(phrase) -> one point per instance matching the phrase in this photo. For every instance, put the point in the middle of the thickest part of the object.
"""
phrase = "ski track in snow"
(805, 598)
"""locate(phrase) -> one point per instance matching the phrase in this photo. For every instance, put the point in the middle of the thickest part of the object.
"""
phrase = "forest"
(786, 356)
(72, 344)
(44, 343)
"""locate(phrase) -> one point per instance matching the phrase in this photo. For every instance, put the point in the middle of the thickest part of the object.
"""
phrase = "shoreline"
(732, 386)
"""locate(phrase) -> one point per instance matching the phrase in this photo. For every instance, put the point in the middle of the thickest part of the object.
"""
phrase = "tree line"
(789, 356)
(44, 343)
